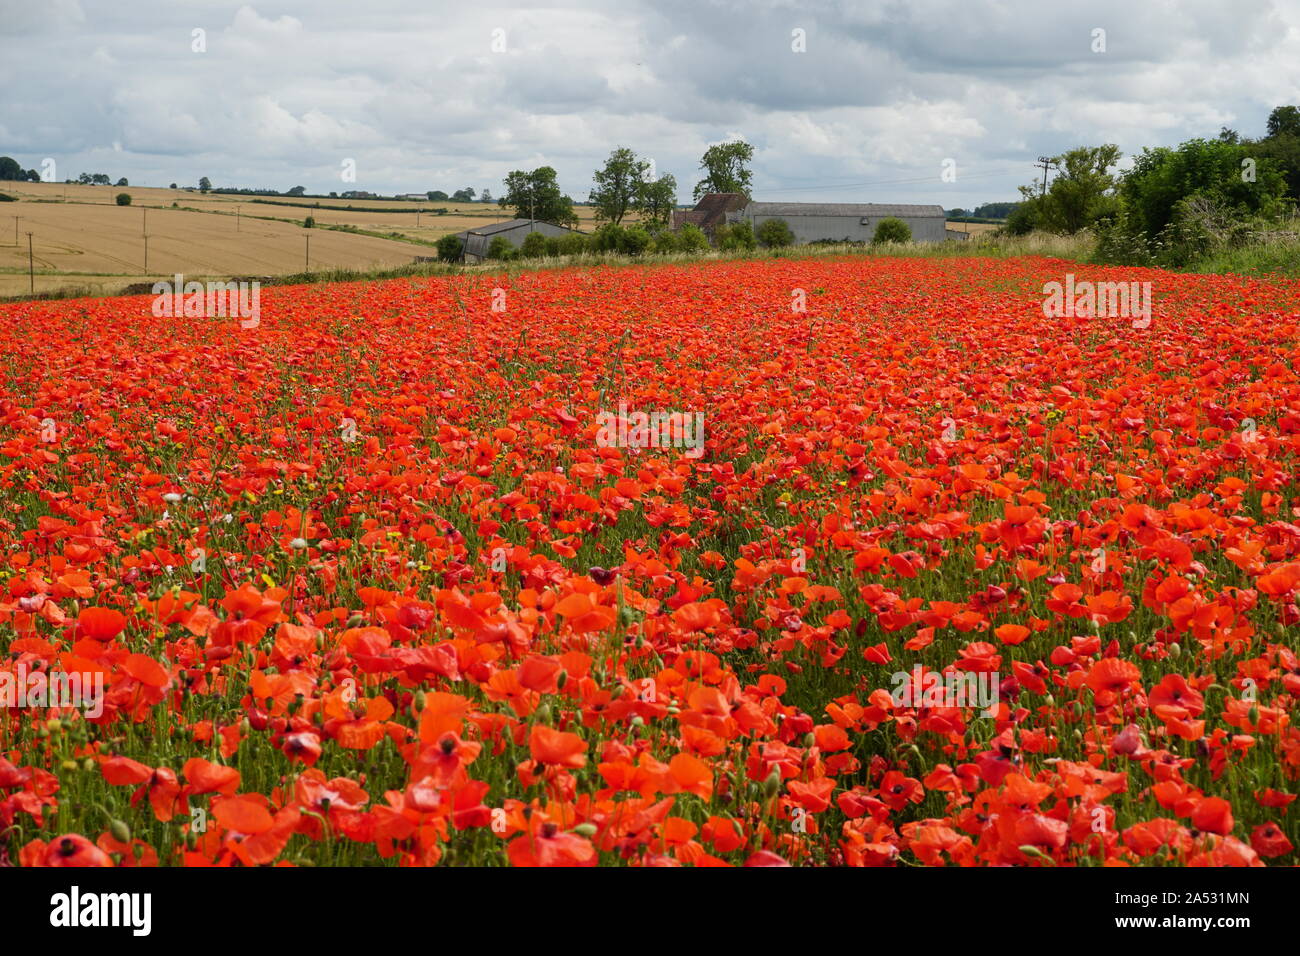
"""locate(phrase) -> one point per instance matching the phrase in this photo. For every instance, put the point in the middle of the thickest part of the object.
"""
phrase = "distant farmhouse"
(477, 241)
(813, 221)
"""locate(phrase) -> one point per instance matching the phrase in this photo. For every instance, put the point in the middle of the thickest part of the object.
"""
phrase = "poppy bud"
(616, 693)
(585, 829)
(1175, 651)
(356, 620)
(420, 699)
(54, 725)
(638, 721)
(543, 714)
(561, 680)
(70, 766)
(1253, 714)
(121, 832)
(809, 739)
(88, 764)
(772, 784)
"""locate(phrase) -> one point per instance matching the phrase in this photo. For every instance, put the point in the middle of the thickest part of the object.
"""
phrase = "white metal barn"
(840, 222)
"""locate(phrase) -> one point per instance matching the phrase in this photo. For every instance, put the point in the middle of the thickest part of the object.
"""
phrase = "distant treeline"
(437, 211)
(989, 212)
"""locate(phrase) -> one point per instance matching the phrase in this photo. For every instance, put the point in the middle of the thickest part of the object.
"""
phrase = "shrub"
(309, 222)
(666, 242)
(635, 240)
(738, 236)
(891, 229)
(609, 238)
(1022, 220)
(574, 244)
(500, 248)
(553, 246)
(534, 246)
(124, 199)
(692, 239)
(775, 233)
(450, 248)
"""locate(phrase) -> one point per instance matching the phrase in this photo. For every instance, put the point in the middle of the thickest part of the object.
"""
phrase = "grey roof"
(496, 227)
(843, 209)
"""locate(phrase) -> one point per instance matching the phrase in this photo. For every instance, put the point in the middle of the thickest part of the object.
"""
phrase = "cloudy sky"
(424, 94)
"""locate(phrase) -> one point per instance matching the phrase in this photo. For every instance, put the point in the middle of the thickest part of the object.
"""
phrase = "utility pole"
(306, 263)
(146, 253)
(16, 218)
(144, 229)
(236, 218)
(1046, 163)
(31, 269)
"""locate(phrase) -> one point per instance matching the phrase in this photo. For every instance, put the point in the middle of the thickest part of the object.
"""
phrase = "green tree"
(297, 191)
(537, 195)
(205, 184)
(450, 248)
(1231, 175)
(1284, 121)
(124, 199)
(500, 248)
(657, 199)
(775, 233)
(437, 195)
(9, 168)
(891, 229)
(617, 185)
(1082, 192)
(735, 237)
(726, 169)
(463, 195)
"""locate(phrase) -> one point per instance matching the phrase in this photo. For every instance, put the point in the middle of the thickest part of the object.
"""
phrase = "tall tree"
(726, 169)
(657, 199)
(618, 184)
(537, 195)
(1284, 121)
(1082, 191)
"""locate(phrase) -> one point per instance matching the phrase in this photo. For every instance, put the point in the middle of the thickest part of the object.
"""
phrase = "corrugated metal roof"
(872, 209)
(496, 227)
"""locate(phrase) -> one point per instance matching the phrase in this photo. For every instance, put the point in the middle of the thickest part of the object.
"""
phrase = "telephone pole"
(16, 218)
(31, 269)
(146, 253)
(306, 262)
(1046, 163)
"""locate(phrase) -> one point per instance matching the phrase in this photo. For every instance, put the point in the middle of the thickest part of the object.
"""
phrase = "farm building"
(811, 221)
(478, 240)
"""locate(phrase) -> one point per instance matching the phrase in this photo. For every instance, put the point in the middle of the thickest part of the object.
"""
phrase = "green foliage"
(691, 238)
(735, 237)
(608, 238)
(1023, 219)
(536, 195)
(656, 200)
(534, 246)
(891, 229)
(775, 233)
(309, 222)
(618, 184)
(573, 244)
(9, 169)
(636, 240)
(726, 169)
(1220, 171)
(1284, 121)
(500, 248)
(124, 199)
(450, 248)
(1082, 192)
(437, 195)
(666, 242)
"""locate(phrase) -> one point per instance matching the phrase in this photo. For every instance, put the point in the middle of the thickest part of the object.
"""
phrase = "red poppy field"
(363, 586)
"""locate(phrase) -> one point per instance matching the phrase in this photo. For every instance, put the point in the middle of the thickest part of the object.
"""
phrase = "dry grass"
(82, 238)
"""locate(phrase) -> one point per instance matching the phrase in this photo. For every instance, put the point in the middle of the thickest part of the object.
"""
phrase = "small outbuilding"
(477, 240)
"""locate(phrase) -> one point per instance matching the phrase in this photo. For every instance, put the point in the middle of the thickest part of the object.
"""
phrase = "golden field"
(82, 238)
